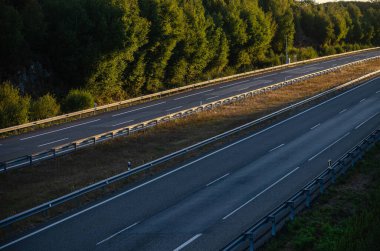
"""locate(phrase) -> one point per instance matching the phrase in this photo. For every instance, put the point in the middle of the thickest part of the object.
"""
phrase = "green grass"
(347, 217)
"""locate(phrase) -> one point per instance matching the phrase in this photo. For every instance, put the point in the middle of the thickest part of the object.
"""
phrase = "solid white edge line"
(188, 242)
(244, 88)
(138, 109)
(53, 142)
(277, 147)
(180, 168)
(315, 126)
(213, 97)
(34, 136)
(357, 127)
(212, 182)
(194, 94)
(122, 123)
(117, 233)
(336, 141)
(174, 108)
(266, 189)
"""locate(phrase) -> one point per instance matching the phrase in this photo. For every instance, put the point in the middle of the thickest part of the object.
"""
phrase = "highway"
(47, 138)
(204, 203)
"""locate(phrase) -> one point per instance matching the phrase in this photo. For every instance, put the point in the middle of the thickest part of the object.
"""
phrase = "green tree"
(78, 100)
(13, 107)
(34, 25)
(85, 35)
(111, 74)
(356, 32)
(167, 29)
(191, 55)
(247, 28)
(371, 26)
(44, 107)
(219, 51)
(12, 42)
(282, 13)
(340, 20)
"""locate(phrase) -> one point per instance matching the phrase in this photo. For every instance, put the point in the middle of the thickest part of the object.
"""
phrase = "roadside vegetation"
(24, 188)
(109, 50)
(346, 217)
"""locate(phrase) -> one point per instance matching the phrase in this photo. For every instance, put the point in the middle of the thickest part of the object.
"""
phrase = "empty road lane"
(206, 202)
(44, 139)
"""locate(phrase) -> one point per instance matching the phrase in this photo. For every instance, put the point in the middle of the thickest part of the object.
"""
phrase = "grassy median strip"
(28, 187)
(346, 217)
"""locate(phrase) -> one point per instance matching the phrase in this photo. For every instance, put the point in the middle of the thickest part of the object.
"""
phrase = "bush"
(339, 49)
(303, 53)
(328, 50)
(78, 100)
(44, 107)
(13, 107)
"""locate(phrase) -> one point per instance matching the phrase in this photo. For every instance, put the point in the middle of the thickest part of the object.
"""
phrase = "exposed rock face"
(32, 79)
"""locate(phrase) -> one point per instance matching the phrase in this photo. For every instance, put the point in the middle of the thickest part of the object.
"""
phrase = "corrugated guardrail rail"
(103, 183)
(29, 160)
(268, 226)
(121, 104)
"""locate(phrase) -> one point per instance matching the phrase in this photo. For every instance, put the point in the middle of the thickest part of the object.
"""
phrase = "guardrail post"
(30, 159)
(373, 138)
(251, 242)
(308, 197)
(352, 158)
(46, 212)
(272, 219)
(75, 145)
(290, 204)
(332, 171)
(320, 181)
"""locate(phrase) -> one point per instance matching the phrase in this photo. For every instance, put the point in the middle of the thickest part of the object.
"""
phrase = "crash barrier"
(29, 160)
(268, 226)
(124, 103)
(104, 183)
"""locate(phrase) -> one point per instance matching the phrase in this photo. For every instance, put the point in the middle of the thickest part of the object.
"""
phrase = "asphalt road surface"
(44, 139)
(205, 203)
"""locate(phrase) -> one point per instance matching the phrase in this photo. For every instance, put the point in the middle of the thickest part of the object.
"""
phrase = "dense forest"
(63, 55)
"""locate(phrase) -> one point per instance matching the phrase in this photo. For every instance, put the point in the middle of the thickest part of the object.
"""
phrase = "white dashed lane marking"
(34, 136)
(56, 141)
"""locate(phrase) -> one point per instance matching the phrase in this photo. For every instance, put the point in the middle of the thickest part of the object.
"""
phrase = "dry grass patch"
(25, 188)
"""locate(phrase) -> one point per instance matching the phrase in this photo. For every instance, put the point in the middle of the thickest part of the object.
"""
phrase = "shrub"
(78, 100)
(303, 53)
(13, 107)
(305, 239)
(328, 50)
(339, 49)
(44, 107)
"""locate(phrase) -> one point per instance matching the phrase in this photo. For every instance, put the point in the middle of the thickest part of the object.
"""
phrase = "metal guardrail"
(48, 205)
(29, 160)
(121, 104)
(268, 226)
